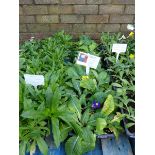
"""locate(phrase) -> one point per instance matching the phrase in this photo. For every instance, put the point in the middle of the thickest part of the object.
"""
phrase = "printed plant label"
(34, 80)
(88, 60)
(118, 48)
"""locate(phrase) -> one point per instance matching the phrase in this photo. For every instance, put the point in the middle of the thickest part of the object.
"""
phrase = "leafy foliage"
(63, 104)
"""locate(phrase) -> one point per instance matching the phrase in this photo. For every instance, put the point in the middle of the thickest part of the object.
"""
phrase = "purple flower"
(95, 105)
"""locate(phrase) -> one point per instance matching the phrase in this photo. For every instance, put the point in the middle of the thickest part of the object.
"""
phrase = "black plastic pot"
(130, 135)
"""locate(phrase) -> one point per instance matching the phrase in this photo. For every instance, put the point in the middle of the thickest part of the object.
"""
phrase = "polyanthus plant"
(122, 73)
(92, 123)
(96, 85)
(87, 45)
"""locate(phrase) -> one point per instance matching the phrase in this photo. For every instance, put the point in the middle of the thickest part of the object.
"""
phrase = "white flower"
(32, 38)
(130, 27)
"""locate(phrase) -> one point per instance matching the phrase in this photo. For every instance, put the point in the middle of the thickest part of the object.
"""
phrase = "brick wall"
(41, 18)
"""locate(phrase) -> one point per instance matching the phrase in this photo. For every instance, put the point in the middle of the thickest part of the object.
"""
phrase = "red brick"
(94, 36)
(98, 1)
(22, 28)
(72, 18)
(130, 9)
(35, 9)
(111, 9)
(124, 27)
(121, 18)
(26, 19)
(123, 1)
(76, 35)
(47, 1)
(20, 10)
(47, 19)
(73, 1)
(84, 27)
(38, 27)
(59, 27)
(25, 1)
(85, 9)
(108, 27)
(96, 18)
(60, 9)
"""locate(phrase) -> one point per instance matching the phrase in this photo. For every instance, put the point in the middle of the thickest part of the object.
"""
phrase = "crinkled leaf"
(72, 73)
(76, 85)
(75, 106)
(64, 130)
(100, 125)
(103, 78)
(85, 116)
(89, 84)
(118, 117)
(83, 99)
(73, 146)
(108, 106)
(88, 140)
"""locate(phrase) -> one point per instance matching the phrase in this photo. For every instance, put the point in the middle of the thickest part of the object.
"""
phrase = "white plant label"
(88, 60)
(34, 80)
(119, 48)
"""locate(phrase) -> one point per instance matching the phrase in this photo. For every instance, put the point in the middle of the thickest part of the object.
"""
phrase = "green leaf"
(33, 148)
(64, 130)
(73, 146)
(102, 78)
(116, 85)
(80, 70)
(108, 106)
(22, 148)
(69, 93)
(75, 106)
(92, 46)
(77, 128)
(115, 131)
(48, 96)
(42, 145)
(32, 114)
(89, 84)
(76, 85)
(128, 125)
(88, 141)
(83, 99)
(55, 100)
(99, 96)
(27, 104)
(100, 125)
(118, 117)
(72, 73)
(85, 116)
(56, 131)
(83, 47)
